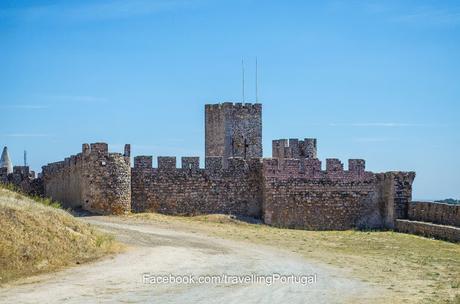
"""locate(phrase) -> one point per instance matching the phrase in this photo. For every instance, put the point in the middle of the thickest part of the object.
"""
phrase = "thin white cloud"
(376, 7)
(436, 14)
(430, 16)
(383, 124)
(373, 139)
(27, 135)
(176, 140)
(96, 10)
(76, 98)
(24, 107)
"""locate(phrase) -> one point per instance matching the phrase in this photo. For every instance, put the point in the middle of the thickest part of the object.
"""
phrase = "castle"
(291, 189)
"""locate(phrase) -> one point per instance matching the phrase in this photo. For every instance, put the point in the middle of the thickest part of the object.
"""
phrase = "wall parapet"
(213, 164)
(428, 229)
(297, 196)
(438, 213)
(235, 189)
(310, 168)
(229, 104)
(294, 148)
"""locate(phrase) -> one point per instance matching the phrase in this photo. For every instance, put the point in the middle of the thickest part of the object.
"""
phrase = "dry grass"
(38, 237)
(412, 269)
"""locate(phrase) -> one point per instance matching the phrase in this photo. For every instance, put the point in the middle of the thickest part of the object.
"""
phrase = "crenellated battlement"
(92, 151)
(213, 164)
(294, 148)
(166, 163)
(191, 163)
(95, 179)
(189, 189)
(99, 148)
(284, 168)
(143, 162)
(334, 168)
(310, 168)
(233, 105)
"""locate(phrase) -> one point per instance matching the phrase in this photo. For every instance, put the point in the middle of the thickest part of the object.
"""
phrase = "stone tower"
(5, 161)
(233, 130)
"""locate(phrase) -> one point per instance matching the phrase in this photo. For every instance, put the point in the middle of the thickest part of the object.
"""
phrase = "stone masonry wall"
(298, 194)
(294, 148)
(437, 213)
(395, 191)
(233, 130)
(444, 232)
(192, 190)
(95, 180)
(23, 179)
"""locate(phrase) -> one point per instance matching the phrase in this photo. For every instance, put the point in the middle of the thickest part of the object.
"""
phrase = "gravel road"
(155, 250)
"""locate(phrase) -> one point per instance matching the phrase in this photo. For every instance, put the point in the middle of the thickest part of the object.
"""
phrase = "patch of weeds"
(47, 202)
(432, 275)
(104, 240)
(456, 299)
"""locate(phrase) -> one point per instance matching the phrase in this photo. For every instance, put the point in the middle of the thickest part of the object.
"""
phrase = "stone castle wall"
(235, 189)
(284, 192)
(437, 213)
(427, 229)
(23, 179)
(95, 180)
(298, 194)
(289, 190)
(395, 191)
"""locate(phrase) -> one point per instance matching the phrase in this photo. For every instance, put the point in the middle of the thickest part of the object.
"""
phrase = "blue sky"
(378, 80)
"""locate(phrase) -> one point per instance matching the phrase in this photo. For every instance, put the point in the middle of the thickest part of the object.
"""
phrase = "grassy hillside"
(412, 269)
(36, 236)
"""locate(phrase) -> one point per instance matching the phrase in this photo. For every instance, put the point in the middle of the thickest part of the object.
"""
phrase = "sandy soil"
(158, 250)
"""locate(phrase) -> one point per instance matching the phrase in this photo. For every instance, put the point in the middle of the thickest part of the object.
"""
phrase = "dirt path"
(157, 250)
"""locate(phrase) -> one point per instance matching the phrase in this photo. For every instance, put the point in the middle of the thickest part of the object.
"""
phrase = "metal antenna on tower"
(25, 158)
(242, 70)
(257, 96)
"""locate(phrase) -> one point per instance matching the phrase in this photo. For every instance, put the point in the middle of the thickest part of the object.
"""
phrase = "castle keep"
(233, 130)
(291, 189)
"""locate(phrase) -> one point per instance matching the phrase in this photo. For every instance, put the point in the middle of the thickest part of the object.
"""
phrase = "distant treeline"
(449, 201)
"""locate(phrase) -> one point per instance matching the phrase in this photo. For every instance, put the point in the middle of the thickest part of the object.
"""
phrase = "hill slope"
(36, 238)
